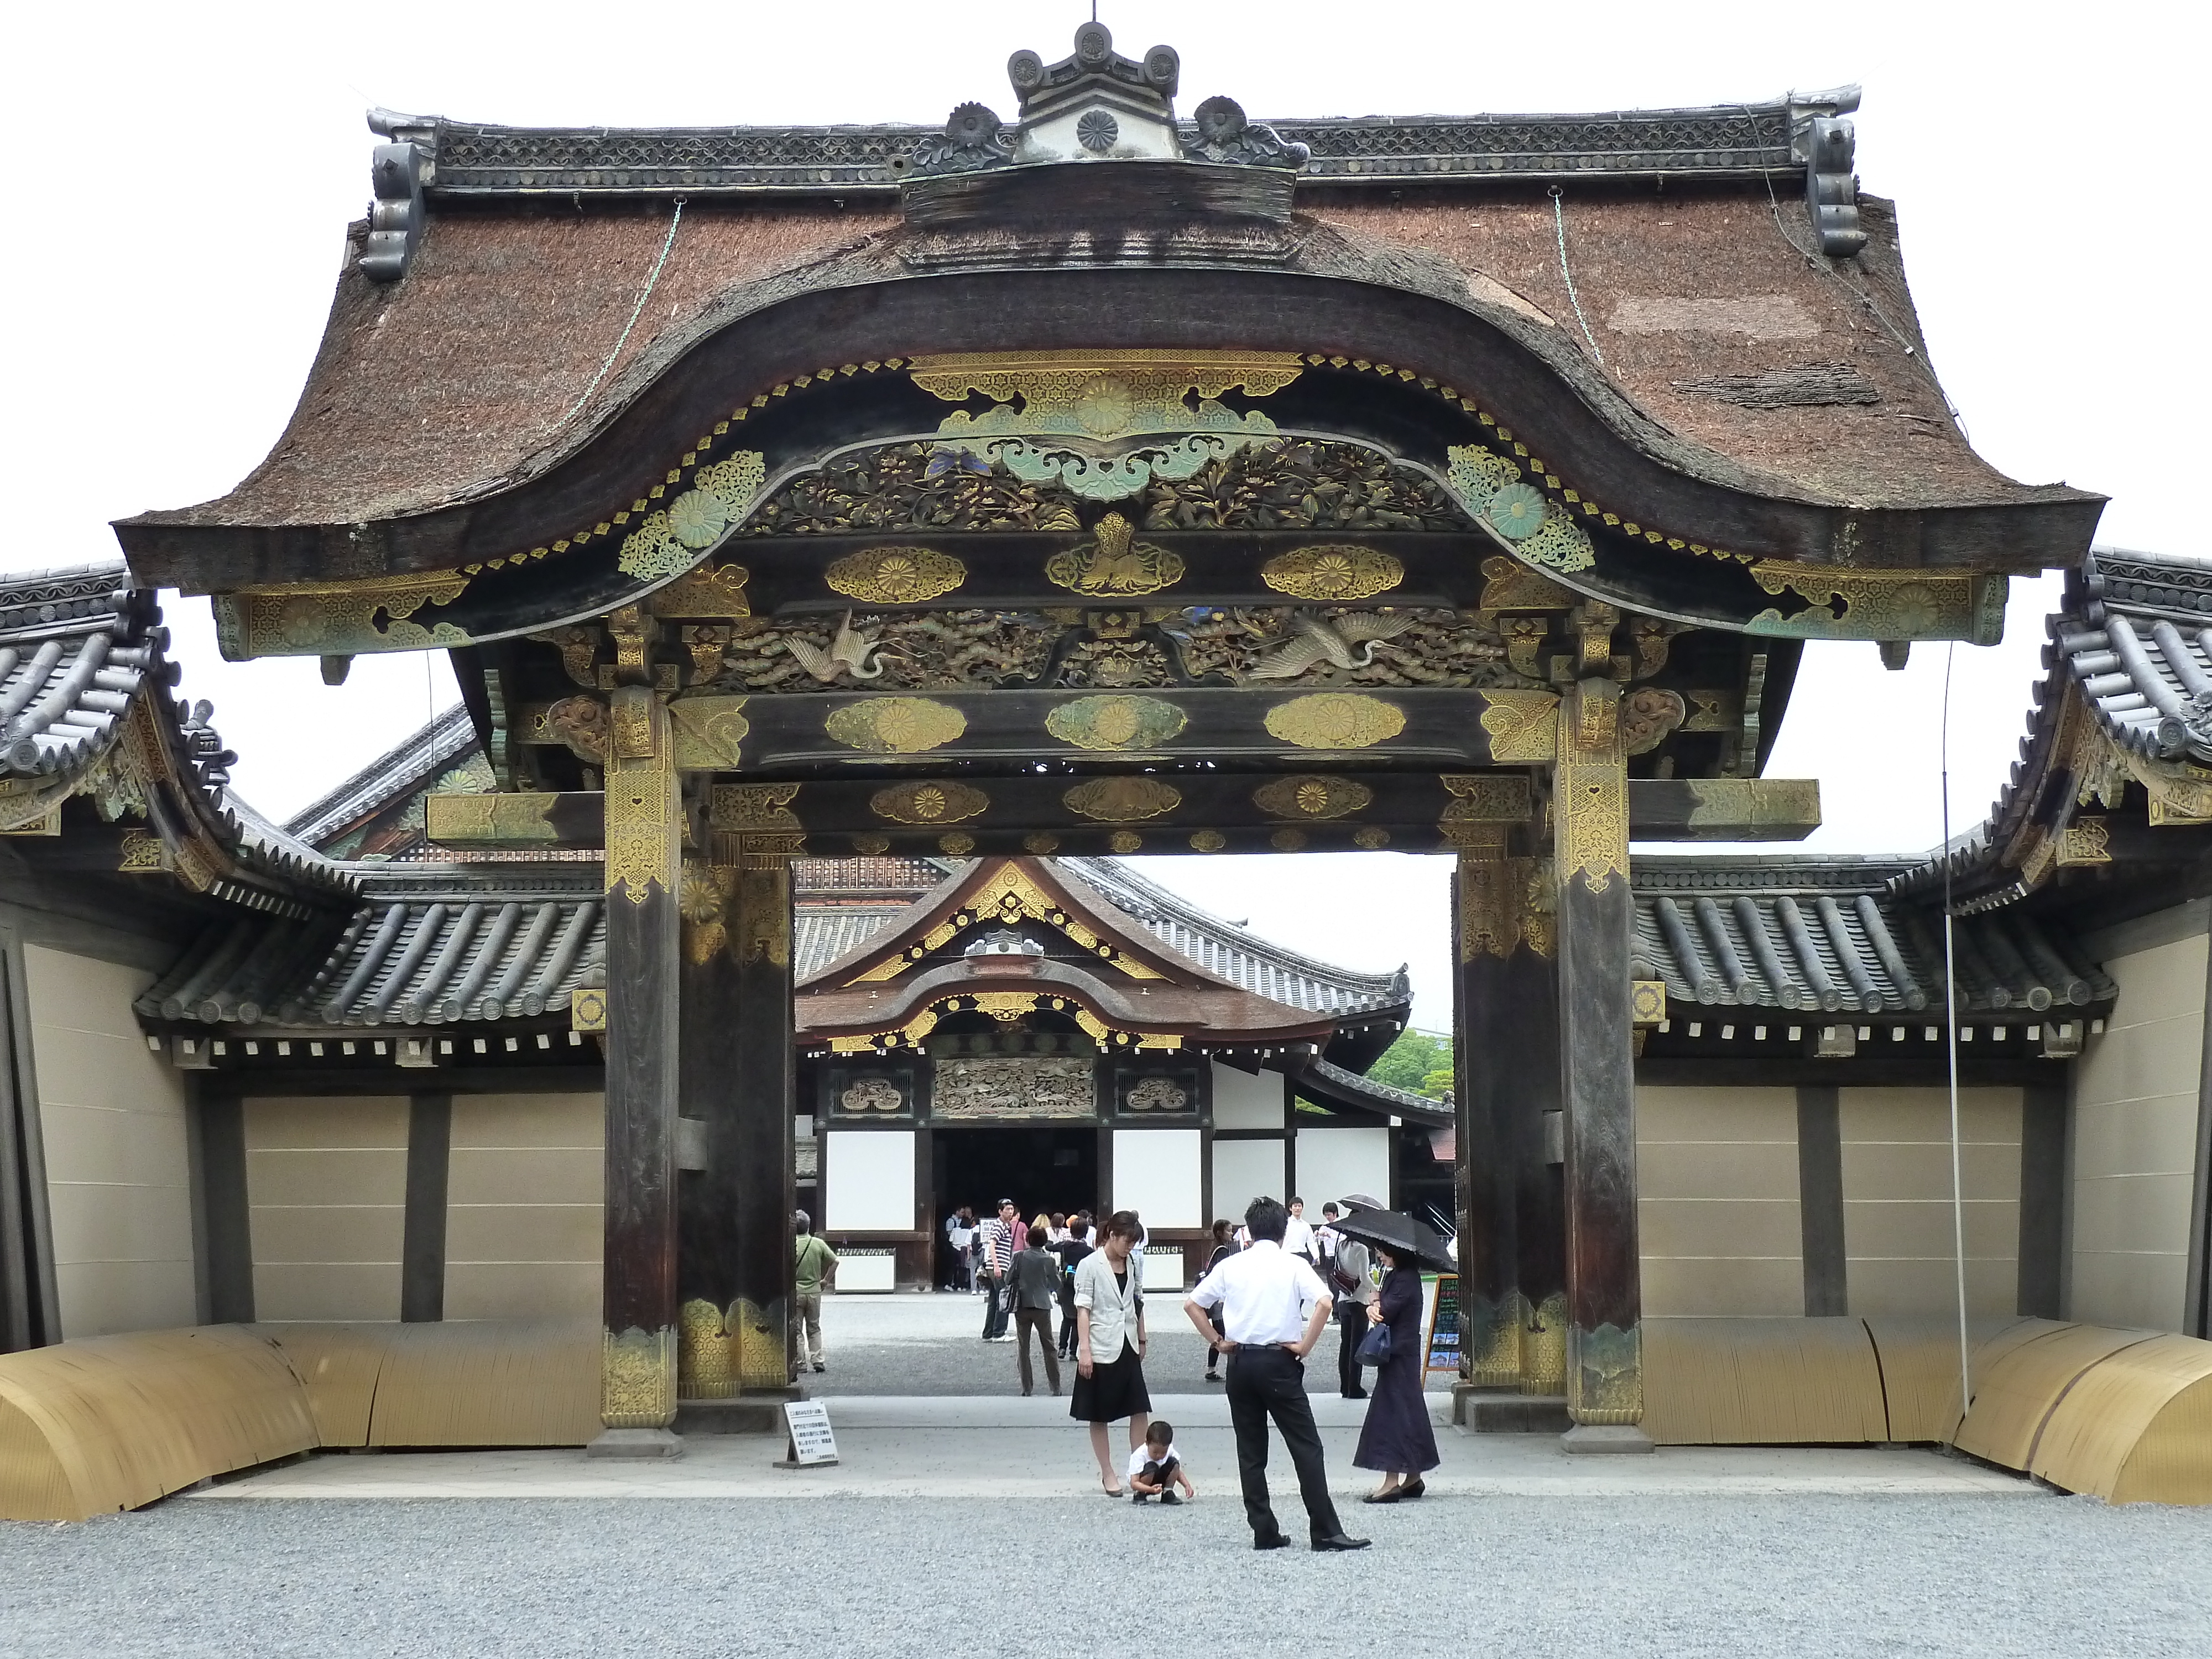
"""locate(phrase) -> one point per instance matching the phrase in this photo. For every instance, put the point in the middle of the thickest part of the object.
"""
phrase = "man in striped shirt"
(999, 1239)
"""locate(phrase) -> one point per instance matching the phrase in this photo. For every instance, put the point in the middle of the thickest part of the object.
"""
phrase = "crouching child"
(1155, 1467)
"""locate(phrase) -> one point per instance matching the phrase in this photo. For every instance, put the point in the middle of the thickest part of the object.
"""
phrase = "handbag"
(1375, 1346)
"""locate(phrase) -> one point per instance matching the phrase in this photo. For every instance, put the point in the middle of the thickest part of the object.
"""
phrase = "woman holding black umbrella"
(1397, 1440)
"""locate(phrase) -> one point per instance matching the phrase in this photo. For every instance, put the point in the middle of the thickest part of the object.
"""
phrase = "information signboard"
(808, 1440)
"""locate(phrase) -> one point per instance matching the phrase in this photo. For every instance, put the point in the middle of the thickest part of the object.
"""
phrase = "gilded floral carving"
(1115, 723)
(1122, 799)
(1333, 572)
(929, 803)
(1311, 796)
(895, 726)
(1335, 719)
(896, 575)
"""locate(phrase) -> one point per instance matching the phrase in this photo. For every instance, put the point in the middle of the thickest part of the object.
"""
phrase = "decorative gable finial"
(1094, 105)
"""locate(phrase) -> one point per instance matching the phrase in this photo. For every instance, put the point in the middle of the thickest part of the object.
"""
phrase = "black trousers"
(1352, 1325)
(995, 1313)
(1270, 1382)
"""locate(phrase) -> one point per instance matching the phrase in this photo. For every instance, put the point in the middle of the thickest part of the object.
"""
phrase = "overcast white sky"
(184, 173)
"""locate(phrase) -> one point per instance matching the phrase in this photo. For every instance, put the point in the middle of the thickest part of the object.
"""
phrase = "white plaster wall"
(525, 1202)
(327, 1186)
(118, 1171)
(870, 1175)
(1244, 1171)
(1156, 1174)
(1900, 1245)
(1716, 1212)
(2135, 1141)
(1333, 1161)
(1241, 1101)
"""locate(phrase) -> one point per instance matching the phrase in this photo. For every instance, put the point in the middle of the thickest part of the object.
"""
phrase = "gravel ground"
(866, 1578)
(932, 1344)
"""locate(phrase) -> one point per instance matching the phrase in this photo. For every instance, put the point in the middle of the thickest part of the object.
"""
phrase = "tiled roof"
(2138, 638)
(75, 645)
(1347, 1088)
(1830, 935)
(1227, 953)
(1734, 141)
(428, 945)
(443, 744)
(820, 934)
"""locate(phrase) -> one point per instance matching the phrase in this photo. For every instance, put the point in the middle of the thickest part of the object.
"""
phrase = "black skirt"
(1111, 1392)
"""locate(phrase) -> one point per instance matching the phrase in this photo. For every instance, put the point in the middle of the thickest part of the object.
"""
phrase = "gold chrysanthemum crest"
(1335, 719)
(895, 726)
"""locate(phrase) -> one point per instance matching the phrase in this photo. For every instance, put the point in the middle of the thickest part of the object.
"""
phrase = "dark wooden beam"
(752, 1142)
(1722, 809)
(638, 1362)
(1513, 1270)
(2043, 1200)
(1248, 811)
(1596, 932)
(218, 1115)
(422, 1247)
(1820, 1199)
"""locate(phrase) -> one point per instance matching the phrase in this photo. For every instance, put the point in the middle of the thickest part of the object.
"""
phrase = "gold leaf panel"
(1311, 797)
(1335, 719)
(896, 575)
(1333, 572)
(1118, 723)
(707, 732)
(929, 803)
(895, 726)
(1123, 800)
(1523, 725)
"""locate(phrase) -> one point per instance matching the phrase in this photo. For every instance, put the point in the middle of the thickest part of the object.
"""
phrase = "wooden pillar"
(750, 1153)
(637, 1401)
(1507, 1050)
(1597, 926)
(422, 1247)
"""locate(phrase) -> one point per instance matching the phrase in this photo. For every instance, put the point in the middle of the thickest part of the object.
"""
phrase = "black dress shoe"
(1278, 1543)
(1341, 1542)
(1412, 1488)
(1389, 1496)
(1355, 1393)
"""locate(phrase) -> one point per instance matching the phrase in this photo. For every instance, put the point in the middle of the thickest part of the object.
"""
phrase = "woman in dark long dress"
(1397, 1440)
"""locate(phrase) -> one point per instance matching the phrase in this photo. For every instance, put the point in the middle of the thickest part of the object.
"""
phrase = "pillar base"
(635, 1443)
(1605, 1437)
(1518, 1413)
(757, 1411)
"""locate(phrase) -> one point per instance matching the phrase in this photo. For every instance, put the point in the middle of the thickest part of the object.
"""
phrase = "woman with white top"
(1109, 1344)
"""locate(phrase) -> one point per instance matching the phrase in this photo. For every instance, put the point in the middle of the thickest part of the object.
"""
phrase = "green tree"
(1418, 1062)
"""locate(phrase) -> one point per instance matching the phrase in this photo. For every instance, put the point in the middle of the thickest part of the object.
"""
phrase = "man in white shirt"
(1297, 1234)
(1274, 1310)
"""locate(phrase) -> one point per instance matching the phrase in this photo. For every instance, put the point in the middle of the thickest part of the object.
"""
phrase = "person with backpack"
(1351, 1282)
(815, 1270)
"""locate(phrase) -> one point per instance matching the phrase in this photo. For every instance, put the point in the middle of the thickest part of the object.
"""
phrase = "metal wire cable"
(1822, 264)
(636, 311)
(1951, 1021)
(1560, 223)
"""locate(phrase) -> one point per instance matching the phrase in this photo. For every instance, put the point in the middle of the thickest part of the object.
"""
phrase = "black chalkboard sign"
(1443, 1348)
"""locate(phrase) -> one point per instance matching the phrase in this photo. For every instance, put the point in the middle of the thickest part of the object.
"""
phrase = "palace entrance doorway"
(1043, 1169)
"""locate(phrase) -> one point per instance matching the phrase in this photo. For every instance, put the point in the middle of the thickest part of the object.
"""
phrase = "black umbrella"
(1404, 1238)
